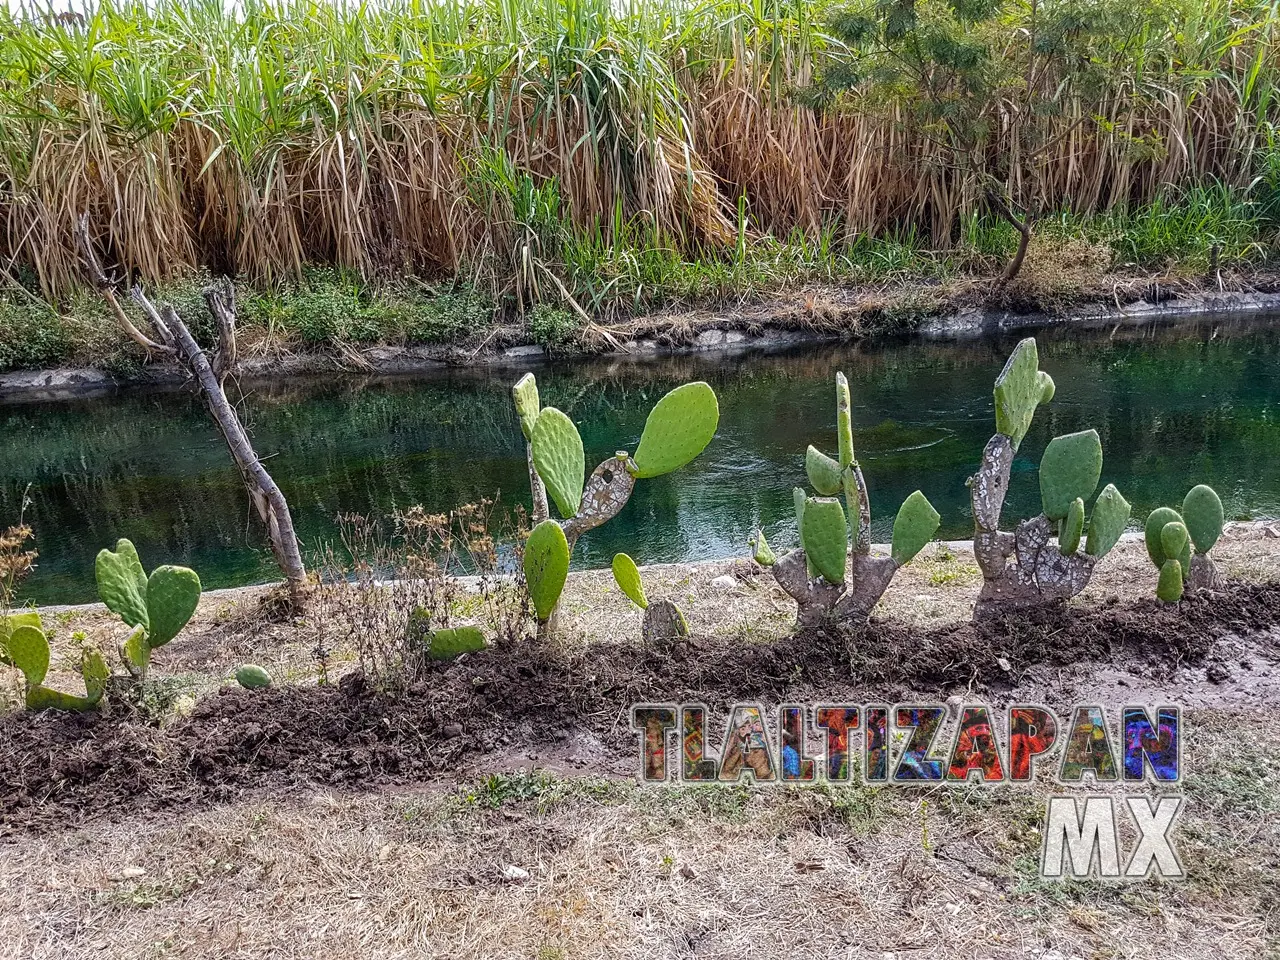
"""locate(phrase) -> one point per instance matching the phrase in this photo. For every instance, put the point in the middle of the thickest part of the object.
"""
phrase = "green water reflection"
(1175, 405)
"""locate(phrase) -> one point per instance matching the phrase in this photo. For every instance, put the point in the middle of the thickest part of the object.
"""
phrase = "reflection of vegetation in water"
(1174, 407)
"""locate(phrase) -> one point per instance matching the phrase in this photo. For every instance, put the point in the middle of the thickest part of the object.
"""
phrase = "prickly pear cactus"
(1069, 470)
(1110, 516)
(253, 677)
(559, 459)
(825, 537)
(627, 576)
(452, 642)
(913, 527)
(1071, 528)
(29, 651)
(831, 584)
(679, 427)
(663, 623)
(546, 566)
(1020, 388)
(1026, 567)
(157, 607)
(1202, 512)
(528, 406)
(761, 551)
(1169, 587)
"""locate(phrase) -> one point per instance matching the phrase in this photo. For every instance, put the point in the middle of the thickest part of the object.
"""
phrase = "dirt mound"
(59, 768)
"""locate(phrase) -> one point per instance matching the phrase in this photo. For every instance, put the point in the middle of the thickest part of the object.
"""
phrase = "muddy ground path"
(520, 705)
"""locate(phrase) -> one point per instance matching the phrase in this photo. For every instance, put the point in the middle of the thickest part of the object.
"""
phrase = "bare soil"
(569, 705)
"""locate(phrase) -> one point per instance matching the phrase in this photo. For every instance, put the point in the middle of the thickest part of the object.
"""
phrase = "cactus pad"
(824, 473)
(96, 673)
(42, 698)
(844, 422)
(1070, 468)
(1047, 387)
(172, 596)
(1071, 529)
(122, 584)
(1156, 521)
(913, 527)
(29, 651)
(525, 394)
(1019, 390)
(826, 539)
(1110, 515)
(663, 622)
(253, 677)
(559, 459)
(679, 427)
(761, 550)
(1174, 539)
(627, 575)
(546, 563)
(136, 652)
(1202, 513)
(1169, 589)
(453, 642)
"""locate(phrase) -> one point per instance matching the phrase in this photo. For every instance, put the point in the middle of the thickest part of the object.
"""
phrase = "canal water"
(1175, 405)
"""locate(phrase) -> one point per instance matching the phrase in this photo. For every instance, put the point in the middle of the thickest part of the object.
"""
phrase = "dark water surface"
(1195, 402)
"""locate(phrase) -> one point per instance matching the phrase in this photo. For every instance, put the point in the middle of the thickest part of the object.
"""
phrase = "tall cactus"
(678, 429)
(1026, 567)
(1179, 543)
(831, 583)
(663, 620)
(156, 606)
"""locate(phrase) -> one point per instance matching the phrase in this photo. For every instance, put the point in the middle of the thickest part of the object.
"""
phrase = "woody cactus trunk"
(678, 428)
(1026, 567)
(833, 586)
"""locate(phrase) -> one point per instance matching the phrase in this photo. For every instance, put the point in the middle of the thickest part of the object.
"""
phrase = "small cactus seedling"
(28, 650)
(157, 607)
(1179, 543)
(1026, 567)
(678, 428)
(663, 620)
(831, 583)
(253, 677)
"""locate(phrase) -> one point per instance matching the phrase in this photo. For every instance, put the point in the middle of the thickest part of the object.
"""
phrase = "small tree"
(992, 84)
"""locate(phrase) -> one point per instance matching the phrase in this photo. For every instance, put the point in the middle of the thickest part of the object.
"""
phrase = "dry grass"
(615, 870)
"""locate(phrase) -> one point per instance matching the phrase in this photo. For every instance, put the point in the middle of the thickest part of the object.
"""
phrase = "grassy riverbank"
(424, 172)
(884, 284)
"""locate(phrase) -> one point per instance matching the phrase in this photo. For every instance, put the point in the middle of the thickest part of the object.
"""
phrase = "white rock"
(514, 874)
(725, 582)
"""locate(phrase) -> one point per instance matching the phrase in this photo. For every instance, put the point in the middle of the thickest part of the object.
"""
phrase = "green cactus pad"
(1071, 529)
(546, 565)
(1156, 521)
(29, 651)
(798, 497)
(1202, 513)
(913, 527)
(1174, 538)
(136, 652)
(627, 575)
(1169, 589)
(96, 673)
(1047, 387)
(679, 427)
(525, 394)
(42, 698)
(122, 583)
(826, 539)
(27, 618)
(761, 550)
(1110, 515)
(824, 473)
(559, 459)
(844, 422)
(1019, 390)
(253, 677)
(1070, 468)
(172, 596)
(453, 642)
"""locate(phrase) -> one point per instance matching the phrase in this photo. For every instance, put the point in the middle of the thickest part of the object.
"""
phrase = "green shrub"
(551, 326)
